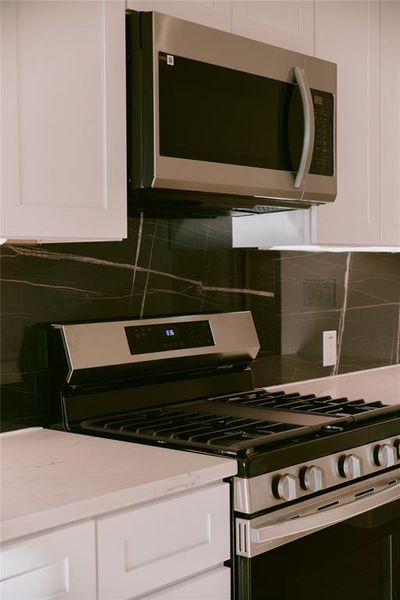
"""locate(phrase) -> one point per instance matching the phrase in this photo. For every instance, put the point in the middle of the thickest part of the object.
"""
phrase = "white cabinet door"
(63, 119)
(288, 23)
(348, 33)
(390, 122)
(155, 545)
(59, 565)
(215, 585)
(213, 13)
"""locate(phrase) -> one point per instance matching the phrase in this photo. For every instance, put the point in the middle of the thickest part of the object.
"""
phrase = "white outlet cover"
(329, 345)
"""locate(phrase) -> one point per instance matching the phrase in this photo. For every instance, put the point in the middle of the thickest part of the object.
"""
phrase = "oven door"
(343, 547)
(233, 116)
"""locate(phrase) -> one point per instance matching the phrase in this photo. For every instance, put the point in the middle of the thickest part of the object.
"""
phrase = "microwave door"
(225, 120)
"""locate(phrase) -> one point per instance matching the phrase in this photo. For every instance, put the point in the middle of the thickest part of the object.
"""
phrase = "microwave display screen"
(212, 113)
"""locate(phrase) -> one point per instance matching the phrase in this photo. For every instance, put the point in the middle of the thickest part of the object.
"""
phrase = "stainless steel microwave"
(216, 120)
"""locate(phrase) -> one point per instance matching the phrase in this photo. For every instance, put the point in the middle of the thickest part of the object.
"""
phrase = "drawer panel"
(58, 565)
(157, 544)
(215, 585)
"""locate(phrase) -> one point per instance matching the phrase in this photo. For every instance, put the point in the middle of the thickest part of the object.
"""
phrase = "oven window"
(355, 560)
(211, 113)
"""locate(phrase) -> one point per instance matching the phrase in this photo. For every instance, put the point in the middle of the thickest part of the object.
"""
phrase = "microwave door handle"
(309, 127)
(320, 520)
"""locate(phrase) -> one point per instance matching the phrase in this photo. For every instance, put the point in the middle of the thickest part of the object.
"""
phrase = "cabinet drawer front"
(215, 585)
(157, 544)
(58, 565)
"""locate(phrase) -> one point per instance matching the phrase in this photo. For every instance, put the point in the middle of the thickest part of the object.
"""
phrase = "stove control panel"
(272, 489)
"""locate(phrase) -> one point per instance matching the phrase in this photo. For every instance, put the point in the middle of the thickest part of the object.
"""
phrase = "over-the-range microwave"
(219, 121)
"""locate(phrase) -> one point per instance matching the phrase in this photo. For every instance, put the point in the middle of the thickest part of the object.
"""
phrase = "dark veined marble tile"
(261, 270)
(311, 282)
(276, 370)
(169, 296)
(370, 338)
(66, 294)
(302, 333)
(19, 402)
(374, 279)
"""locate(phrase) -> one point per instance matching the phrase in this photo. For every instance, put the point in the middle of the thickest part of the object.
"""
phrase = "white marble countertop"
(373, 384)
(51, 478)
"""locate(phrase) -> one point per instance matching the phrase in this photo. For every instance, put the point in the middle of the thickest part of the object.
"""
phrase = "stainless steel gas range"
(316, 502)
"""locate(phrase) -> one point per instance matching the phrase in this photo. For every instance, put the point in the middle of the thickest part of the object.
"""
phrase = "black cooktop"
(242, 424)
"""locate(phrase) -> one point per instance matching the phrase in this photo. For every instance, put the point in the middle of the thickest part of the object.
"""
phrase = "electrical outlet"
(329, 348)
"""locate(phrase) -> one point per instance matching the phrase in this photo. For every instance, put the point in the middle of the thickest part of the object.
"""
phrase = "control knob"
(286, 487)
(385, 455)
(350, 466)
(311, 478)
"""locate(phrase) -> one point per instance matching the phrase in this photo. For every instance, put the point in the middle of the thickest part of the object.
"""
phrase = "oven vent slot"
(328, 505)
(364, 492)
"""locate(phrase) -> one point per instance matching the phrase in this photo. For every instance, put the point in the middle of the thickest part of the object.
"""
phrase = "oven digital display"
(143, 339)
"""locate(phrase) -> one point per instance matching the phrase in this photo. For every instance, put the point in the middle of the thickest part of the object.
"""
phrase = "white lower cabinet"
(215, 585)
(170, 549)
(179, 543)
(58, 565)
(157, 544)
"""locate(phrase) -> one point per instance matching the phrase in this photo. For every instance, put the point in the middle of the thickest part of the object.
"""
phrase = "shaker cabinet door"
(214, 585)
(288, 24)
(347, 33)
(390, 122)
(63, 120)
(155, 545)
(212, 13)
(59, 565)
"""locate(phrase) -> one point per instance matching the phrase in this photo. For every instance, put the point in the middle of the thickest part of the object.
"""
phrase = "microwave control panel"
(324, 142)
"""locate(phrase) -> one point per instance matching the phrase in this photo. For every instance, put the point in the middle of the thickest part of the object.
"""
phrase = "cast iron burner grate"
(238, 422)
(309, 403)
(193, 427)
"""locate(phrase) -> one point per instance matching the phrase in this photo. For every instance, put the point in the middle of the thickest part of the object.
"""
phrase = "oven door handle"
(310, 523)
(309, 127)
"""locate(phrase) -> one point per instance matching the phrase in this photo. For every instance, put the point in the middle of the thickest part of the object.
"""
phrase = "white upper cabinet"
(390, 122)
(289, 23)
(363, 38)
(63, 119)
(213, 13)
(347, 33)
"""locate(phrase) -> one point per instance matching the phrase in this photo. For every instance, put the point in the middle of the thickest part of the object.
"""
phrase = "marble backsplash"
(170, 267)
